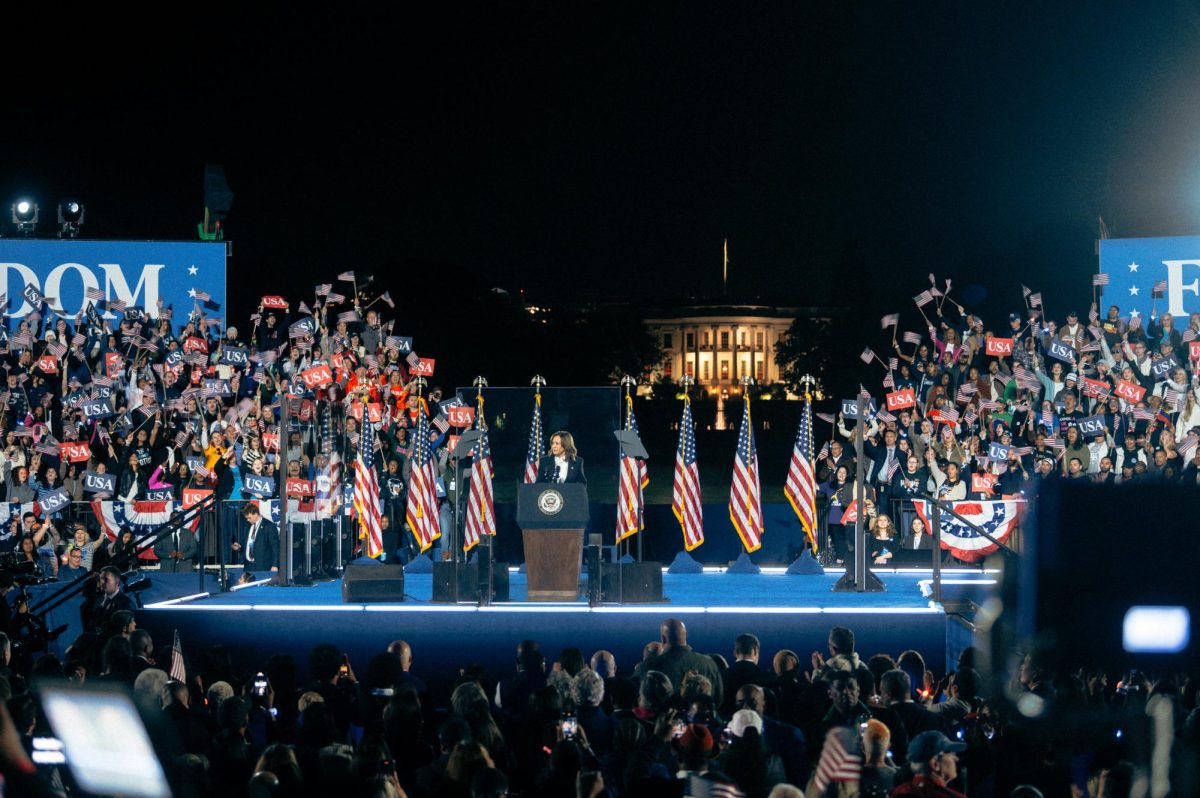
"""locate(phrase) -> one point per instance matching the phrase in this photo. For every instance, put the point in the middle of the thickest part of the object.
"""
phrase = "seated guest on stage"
(259, 543)
(563, 464)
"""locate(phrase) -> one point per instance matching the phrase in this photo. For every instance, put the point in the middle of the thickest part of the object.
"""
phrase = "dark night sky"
(578, 150)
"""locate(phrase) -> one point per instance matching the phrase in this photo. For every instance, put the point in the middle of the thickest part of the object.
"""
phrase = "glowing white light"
(1156, 630)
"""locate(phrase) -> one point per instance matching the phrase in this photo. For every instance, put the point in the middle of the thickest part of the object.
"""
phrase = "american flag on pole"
(422, 509)
(801, 485)
(481, 504)
(912, 338)
(1035, 300)
(685, 492)
(366, 493)
(745, 494)
(922, 299)
(178, 671)
(890, 320)
(630, 500)
(536, 449)
(346, 276)
(1099, 279)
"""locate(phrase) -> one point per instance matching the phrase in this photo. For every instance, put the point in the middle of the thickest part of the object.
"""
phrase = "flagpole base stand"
(805, 565)
(848, 584)
(684, 563)
(743, 565)
(421, 564)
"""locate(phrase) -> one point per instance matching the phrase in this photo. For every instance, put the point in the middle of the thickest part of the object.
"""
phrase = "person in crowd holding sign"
(259, 543)
(563, 464)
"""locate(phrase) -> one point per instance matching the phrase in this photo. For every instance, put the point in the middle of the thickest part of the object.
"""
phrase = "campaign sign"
(138, 273)
(54, 501)
(257, 485)
(48, 364)
(850, 407)
(1130, 391)
(899, 400)
(1097, 389)
(401, 343)
(1194, 350)
(95, 482)
(194, 343)
(34, 297)
(461, 416)
(1134, 265)
(174, 358)
(317, 377)
(215, 387)
(999, 347)
(193, 496)
(299, 487)
(998, 451)
(112, 365)
(303, 327)
(982, 483)
(1061, 351)
(270, 441)
(424, 367)
(274, 302)
(1163, 366)
(75, 452)
(234, 356)
(98, 408)
(160, 495)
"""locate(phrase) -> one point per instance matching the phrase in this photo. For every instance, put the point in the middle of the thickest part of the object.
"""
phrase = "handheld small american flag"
(1188, 336)
(922, 299)
(334, 299)
(1035, 300)
(1093, 316)
(867, 355)
(913, 338)
(745, 494)
(801, 485)
(481, 506)
(347, 277)
(1026, 291)
(366, 493)
(387, 297)
(1160, 287)
(630, 499)
(824, 453)
(890, 320)
(178, 670)
(535, 450)
(1099, 279)
(422, 509)
(685, 491)
(323, 289)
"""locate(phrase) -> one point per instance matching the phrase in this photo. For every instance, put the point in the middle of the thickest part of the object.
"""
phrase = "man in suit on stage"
(563, 464)
(259, 543)
(175, 552)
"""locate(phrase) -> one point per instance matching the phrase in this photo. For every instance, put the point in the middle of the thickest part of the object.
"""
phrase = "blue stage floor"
(785, 611)
(708, 590)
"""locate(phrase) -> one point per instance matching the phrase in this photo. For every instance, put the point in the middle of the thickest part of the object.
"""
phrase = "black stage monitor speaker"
(363, 584)
(635, 583)
(468, 581)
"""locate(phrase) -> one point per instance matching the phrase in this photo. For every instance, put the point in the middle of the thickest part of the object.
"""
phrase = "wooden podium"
(552, 517)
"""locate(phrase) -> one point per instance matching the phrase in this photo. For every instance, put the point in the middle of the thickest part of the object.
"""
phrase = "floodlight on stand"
(25, 215)
(70, 217)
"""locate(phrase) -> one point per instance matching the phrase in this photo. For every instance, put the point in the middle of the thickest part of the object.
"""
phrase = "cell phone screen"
(105, 742)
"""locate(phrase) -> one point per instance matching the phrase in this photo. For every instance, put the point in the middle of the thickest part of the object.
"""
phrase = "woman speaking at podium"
(563, 464)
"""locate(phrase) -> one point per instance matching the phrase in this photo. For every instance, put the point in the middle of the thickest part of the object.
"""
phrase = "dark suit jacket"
(266, 546)
(546, 469)
(101, 612)
(743, 672)
(187, 547)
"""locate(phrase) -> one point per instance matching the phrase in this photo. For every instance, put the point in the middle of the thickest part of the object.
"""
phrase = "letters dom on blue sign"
(1134, 265)
(138, 273)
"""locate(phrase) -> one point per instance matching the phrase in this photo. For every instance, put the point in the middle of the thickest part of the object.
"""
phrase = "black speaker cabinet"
(633, 583)
(363, 584)
(468, 581)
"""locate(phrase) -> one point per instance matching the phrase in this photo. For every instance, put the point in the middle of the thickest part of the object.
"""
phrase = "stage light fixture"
(70, 217)
(25, 215)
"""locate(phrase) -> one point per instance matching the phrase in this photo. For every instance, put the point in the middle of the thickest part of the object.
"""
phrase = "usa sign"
(138, 273)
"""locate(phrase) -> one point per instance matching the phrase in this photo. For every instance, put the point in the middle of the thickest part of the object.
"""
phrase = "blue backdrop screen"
(1135, 265)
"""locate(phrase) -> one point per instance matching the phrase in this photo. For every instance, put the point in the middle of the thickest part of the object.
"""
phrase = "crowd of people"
(832, 722)
(978, 412)
(162, 406)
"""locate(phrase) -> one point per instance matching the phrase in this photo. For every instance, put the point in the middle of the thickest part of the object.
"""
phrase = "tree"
(809, 347)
